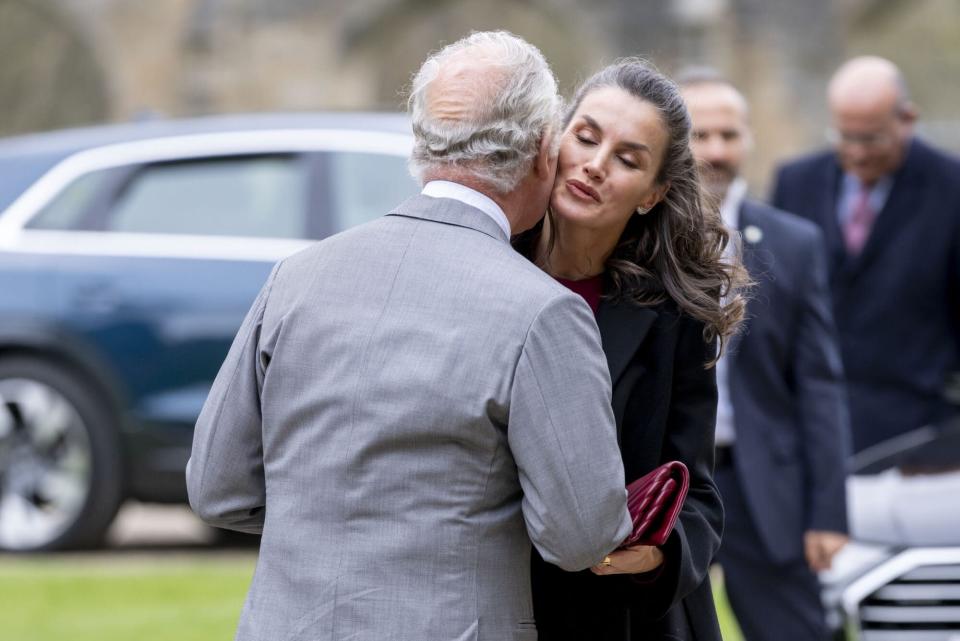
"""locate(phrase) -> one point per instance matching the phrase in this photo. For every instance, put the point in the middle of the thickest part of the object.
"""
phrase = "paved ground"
(140, 525)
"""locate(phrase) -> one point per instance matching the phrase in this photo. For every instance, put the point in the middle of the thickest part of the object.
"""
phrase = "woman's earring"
(642, 210)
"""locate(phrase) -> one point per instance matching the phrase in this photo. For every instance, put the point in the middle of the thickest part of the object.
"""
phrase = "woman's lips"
(582, 190)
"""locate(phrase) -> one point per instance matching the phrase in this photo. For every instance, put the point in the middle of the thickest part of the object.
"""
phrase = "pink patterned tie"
(857, 228)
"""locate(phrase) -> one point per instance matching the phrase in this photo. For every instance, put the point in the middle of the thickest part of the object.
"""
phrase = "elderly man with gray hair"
(410, 403)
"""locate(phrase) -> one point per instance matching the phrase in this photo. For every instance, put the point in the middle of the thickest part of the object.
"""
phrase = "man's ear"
(908, 115)
(546, 160)
(909, 112)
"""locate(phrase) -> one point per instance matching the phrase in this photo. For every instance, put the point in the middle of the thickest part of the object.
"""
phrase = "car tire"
(60, 464)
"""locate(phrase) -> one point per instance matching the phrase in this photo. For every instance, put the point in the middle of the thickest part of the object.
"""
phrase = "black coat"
(896, 303)
(665, 404)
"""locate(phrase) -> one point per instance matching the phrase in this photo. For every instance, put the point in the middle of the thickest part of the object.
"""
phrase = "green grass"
(122, 597)
(728, 624)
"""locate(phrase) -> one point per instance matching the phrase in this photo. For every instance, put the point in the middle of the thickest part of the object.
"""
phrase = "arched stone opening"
(49, 75)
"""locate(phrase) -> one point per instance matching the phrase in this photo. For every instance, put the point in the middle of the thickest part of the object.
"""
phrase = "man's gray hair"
(513, 103)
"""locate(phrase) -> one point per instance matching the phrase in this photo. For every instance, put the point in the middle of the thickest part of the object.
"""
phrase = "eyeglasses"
(874, 140)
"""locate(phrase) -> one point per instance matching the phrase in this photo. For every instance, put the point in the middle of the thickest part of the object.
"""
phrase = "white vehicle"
(899, 579)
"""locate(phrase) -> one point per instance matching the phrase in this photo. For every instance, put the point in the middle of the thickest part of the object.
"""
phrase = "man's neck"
(717, 194)
(733, 196)
(512, 203)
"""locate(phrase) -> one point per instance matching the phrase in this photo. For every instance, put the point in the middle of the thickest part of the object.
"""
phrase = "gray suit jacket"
(406, 407)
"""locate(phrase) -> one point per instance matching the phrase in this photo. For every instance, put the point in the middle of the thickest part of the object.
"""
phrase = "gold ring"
(606, 561)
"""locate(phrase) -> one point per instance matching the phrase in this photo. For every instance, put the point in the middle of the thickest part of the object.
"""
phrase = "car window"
(68, 208)
(19, 170)
(366, 186)
(262, 196)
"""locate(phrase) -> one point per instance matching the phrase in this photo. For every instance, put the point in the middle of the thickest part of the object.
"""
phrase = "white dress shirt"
(468, 196)
(730, 212)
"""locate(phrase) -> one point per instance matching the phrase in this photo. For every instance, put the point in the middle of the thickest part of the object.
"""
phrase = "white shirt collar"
(730, 207)
(468, 196)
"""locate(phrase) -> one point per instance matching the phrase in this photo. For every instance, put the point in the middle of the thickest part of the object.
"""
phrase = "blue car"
(128, 257)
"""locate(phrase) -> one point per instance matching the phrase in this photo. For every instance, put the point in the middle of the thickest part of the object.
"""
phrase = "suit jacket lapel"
(623, 326)
(751, 260)
(827, 210)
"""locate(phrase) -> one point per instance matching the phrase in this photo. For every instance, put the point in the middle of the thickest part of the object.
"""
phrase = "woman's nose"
(594, 168)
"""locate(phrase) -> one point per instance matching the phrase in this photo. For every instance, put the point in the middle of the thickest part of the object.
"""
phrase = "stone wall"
(50, 75)
(67, 62)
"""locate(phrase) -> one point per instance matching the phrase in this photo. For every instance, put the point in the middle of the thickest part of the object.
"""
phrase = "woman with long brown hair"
(629, 230)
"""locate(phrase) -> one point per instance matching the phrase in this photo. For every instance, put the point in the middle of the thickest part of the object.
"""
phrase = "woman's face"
(610, 155)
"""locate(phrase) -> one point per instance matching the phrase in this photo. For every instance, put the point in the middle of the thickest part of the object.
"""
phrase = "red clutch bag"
(655, 500)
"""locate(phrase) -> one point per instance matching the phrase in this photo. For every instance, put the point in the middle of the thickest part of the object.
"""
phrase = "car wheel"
(60, 468)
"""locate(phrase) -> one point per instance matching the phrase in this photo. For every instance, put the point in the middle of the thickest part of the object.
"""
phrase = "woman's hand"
(635, 560)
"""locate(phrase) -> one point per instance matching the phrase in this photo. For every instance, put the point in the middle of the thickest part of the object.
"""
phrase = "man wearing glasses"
(889, 207)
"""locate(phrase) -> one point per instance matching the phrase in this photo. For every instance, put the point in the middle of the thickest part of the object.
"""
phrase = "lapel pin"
(752, 234)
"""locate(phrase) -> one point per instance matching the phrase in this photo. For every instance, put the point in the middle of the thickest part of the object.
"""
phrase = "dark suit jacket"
(896, 304)
(785, 378)
(665, 403)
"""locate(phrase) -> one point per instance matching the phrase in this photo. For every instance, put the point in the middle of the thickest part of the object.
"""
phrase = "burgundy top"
(590, 288)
